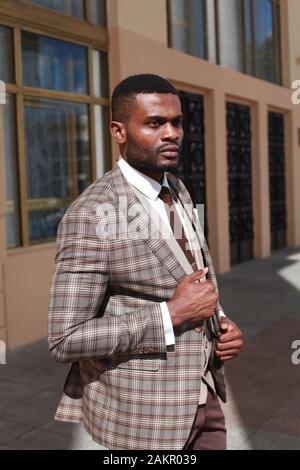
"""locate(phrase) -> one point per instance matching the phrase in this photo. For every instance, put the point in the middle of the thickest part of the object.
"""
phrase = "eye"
(154, 123)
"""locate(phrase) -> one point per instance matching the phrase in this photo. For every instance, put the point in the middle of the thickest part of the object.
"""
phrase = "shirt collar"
(148, 186)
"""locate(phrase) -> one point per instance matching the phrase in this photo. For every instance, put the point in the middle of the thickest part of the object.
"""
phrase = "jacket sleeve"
(80, 281)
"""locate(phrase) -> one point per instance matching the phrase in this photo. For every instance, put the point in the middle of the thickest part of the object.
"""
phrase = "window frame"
(205, 32)
(277, 45)
(17, 19)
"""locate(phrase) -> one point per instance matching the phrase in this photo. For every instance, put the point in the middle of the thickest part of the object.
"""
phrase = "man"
(131, 307)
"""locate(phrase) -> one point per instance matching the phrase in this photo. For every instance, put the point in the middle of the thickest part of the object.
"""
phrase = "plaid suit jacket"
(124, 384)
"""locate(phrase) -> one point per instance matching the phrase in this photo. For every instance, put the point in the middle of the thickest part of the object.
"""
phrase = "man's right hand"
(193, 300)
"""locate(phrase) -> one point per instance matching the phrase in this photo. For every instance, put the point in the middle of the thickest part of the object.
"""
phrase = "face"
(151, 140)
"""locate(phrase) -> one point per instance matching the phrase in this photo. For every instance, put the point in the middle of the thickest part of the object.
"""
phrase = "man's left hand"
(230, 340)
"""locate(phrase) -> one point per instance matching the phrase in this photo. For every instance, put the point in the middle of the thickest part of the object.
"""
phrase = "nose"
(171, 133)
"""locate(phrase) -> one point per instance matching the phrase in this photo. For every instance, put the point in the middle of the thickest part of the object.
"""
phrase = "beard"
(148, 159)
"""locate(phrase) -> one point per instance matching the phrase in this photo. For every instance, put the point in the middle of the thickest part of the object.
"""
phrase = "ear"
(118, 132)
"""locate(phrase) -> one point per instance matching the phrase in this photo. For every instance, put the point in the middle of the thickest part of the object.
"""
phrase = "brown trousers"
(208, 431)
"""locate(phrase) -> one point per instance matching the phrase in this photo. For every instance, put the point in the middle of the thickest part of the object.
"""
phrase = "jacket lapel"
(141, 225)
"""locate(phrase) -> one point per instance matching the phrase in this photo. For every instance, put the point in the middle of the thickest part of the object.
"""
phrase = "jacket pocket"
(140, 364)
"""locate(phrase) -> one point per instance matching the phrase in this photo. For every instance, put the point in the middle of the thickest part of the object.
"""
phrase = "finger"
(237, 344)
(223, 357)
(230, 336)
(197, 275)
(227, 358)
(229, 352)
(224, 324)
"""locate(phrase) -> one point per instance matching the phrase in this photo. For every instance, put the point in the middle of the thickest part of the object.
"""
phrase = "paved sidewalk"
(263, 412)
(263, 297)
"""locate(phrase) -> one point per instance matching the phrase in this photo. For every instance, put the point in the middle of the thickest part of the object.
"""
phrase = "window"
(6, 55)
(249, 37)
(249, 43)
(240, 34)
(53, 64)
(91, 10)
(98, 12)
(230, 34)
(264, 11)
(100, 73)
(70, 7)
(11, 173)
(55, 128)
(187, 26)
(58, 163)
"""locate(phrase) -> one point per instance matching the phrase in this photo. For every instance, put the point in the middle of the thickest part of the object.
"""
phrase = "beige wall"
(27, 277)
(145, 17)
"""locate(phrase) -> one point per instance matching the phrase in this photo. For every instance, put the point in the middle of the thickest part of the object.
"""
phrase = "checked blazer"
(124, 384)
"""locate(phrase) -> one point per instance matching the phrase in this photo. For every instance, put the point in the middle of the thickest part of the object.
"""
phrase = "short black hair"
(124, 94)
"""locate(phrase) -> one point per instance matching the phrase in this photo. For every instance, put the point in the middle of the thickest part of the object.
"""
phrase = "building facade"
(233, 62)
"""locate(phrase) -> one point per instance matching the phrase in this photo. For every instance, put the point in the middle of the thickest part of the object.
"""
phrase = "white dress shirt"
(151, 189)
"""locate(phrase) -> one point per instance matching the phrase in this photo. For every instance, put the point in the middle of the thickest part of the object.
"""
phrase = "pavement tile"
(67, 429)
(237, 435)
(42, 440)
(263, 440)
(10, 431)
(283, 424)
(290, 407)
(46, 398)
(11, 392)
(30, 415)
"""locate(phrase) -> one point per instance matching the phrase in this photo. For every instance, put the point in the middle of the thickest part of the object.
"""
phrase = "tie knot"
(165, 195)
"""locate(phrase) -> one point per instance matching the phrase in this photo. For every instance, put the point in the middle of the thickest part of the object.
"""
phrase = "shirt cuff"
(221, 312)
(167, 322)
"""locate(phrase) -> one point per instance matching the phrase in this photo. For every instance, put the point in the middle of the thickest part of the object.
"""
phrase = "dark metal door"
(277, 180)
(239, 182)
(191, 168)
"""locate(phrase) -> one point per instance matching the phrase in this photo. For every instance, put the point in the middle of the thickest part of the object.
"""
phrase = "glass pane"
(100, 73)
(101, 114)
(58, 163)
(98, 12)
(11, 173)
(248, 37)
(6, 55)
(277, 43)
(187, 26)
(69, 7)
(53, 64)
(230, 34)
(211, 31)
(264, 59)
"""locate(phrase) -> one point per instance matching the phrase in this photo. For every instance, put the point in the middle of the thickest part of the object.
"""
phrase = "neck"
(155, 174)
